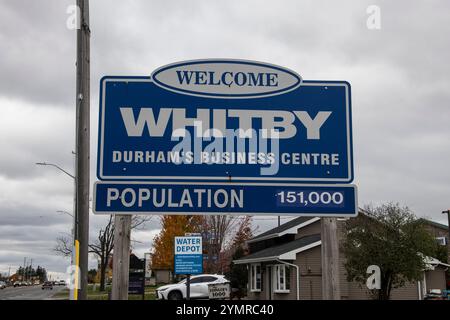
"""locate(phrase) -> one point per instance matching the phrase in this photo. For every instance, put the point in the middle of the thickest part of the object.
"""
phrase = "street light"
(76, 222)
(448, 221)
(56, 166)
(75, 215)
(65, 212)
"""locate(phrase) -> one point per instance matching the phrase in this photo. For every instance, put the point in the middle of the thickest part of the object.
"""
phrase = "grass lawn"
(95, 294)
(63, 294)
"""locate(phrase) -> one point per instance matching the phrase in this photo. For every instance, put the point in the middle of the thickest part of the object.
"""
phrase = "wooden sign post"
(121, 257)
(330, 260)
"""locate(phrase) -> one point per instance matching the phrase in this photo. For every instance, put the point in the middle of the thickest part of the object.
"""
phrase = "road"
(29, 293)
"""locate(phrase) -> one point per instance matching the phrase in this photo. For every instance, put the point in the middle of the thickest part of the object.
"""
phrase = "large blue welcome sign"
(225, 120)
(218, 122)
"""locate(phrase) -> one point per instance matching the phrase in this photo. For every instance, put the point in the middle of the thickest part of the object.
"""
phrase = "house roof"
(286, 251)
(436, 224)
(289, 227)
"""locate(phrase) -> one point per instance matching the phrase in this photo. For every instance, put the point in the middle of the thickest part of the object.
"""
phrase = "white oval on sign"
(226, 78)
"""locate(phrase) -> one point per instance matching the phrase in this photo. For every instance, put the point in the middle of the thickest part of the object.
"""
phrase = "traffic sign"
(225, 120)
(188, 255)
(224, 198)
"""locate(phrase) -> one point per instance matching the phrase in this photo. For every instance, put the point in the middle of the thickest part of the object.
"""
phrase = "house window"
(441, 241)
(281, 278)
(255, 275)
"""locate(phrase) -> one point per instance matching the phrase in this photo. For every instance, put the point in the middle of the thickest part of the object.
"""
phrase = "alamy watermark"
(373, 21)
(73, 276)
(73, 21)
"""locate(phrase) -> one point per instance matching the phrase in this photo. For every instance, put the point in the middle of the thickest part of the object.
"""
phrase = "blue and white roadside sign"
(188, 255)
(225, 198)
(225, 120)
(223, 136)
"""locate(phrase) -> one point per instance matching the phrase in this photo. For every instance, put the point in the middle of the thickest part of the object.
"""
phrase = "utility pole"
(23, 270)
(448, 237)
(30, 277)
(330, 260)
(82, 142)
(121, 257)
(75, 214)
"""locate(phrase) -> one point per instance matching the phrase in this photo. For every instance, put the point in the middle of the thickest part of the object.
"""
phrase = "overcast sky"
(399, 76)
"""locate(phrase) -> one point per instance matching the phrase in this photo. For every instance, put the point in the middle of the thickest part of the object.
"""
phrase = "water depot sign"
(188, 255)
(224, 136)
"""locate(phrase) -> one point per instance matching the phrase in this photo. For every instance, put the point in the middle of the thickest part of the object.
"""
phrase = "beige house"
(162, 276)
(285, 263)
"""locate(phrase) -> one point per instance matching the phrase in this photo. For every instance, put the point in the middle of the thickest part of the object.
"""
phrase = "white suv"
(198, 288)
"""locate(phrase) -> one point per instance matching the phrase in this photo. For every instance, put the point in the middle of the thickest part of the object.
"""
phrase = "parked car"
(47, 285)
(61, 283)
(198, 287)
(435, 294)
(17, 284)
(2, 285)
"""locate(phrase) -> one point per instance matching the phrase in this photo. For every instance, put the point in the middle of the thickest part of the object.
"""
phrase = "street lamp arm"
(65, 212)
(57, 167)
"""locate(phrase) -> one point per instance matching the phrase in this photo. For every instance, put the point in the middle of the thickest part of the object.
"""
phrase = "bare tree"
(102, 247)
(138, 222)
(103, 244)
(63, 246)
(218, 230)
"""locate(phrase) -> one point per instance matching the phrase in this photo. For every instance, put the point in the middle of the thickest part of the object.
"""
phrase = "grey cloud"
(31, 135)
(399, 77)
(37, 52)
